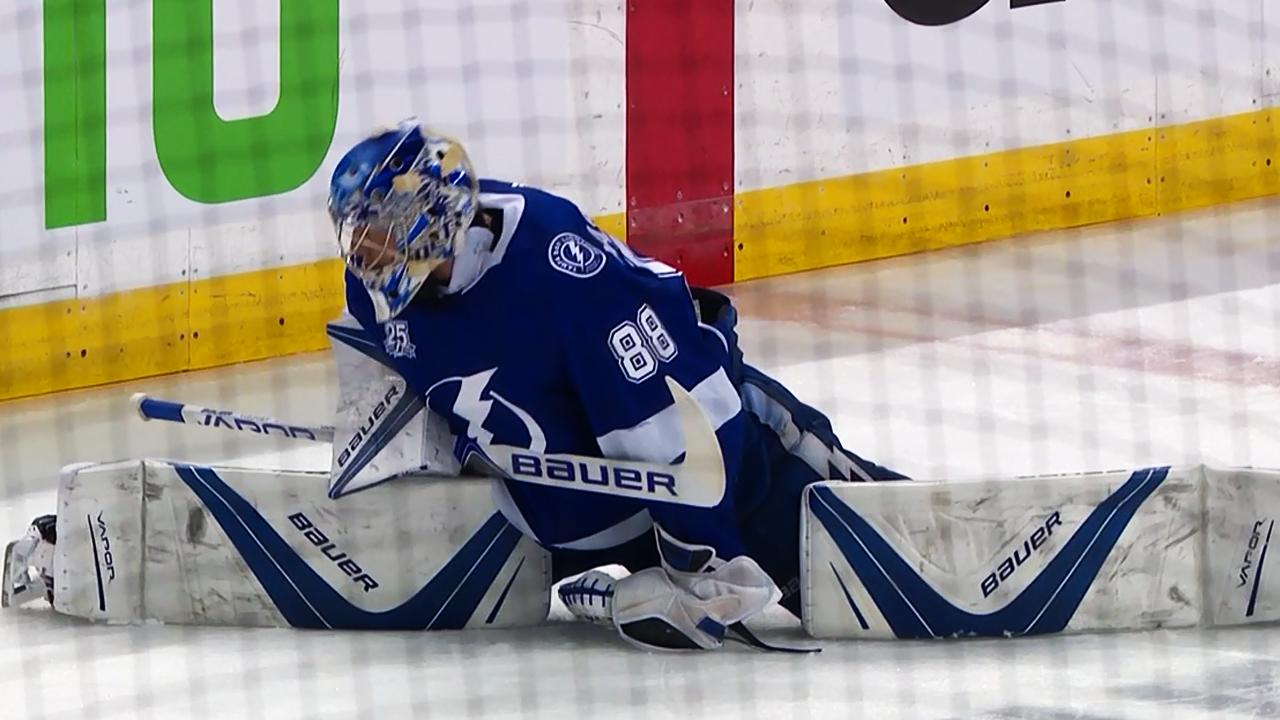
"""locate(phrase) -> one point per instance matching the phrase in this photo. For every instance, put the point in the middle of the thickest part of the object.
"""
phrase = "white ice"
(1151, 342)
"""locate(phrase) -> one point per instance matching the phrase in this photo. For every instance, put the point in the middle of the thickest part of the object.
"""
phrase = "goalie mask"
(401, 202)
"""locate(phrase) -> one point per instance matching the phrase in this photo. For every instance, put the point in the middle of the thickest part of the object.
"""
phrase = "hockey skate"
(28, 565)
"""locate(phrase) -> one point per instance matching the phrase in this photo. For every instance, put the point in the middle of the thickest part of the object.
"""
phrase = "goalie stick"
(699, 480)
(150, 408)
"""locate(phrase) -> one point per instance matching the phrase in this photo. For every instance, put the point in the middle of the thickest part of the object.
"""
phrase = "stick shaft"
(150, 408)
(698, 481)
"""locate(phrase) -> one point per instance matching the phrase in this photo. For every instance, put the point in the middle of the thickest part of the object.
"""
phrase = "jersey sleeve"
(625, 329)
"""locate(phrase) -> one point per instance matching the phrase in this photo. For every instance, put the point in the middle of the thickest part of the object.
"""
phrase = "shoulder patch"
(397, 343)
(574, 256)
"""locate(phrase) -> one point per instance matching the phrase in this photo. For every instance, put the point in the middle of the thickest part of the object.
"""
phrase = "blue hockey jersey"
(559, 342)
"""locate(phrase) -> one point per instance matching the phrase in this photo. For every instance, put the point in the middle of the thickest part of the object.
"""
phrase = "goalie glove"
(651, 610)
(590, 597)
(689, 603)
(658, 609)
(28, 564)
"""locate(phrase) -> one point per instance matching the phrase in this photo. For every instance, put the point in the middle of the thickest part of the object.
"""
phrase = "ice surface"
(1151, 342)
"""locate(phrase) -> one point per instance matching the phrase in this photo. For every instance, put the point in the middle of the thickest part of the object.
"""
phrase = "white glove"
(686, 604)
(664, 610)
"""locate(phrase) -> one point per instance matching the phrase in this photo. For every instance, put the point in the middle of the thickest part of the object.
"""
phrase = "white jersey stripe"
(614, 535)
(658, 438)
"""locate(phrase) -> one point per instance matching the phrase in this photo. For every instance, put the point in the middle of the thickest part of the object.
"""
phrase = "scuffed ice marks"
(1243, 688)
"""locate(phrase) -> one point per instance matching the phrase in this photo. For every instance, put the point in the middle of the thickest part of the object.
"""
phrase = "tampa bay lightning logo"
(574, 256)
(475, 404)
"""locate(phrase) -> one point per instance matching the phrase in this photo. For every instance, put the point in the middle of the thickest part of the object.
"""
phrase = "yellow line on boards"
(170, 328)
(835, 221)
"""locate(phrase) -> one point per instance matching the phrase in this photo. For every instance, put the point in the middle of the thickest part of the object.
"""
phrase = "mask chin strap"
(468, 261)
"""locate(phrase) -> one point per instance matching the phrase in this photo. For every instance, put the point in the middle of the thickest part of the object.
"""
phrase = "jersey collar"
(479, 252)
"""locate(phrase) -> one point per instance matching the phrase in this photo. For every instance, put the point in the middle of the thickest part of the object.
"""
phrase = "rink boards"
(1159, 547)
(150, 540)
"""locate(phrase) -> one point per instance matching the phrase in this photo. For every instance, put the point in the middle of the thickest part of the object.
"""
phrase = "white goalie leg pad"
(1242, 507)
(152, 540)
(1143, 549)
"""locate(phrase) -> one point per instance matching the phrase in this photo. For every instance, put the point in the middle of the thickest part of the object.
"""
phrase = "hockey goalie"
(525, 400)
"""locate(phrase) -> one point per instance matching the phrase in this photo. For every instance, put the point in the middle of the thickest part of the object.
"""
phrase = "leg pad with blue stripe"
(1126, 550)
(151, 540)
